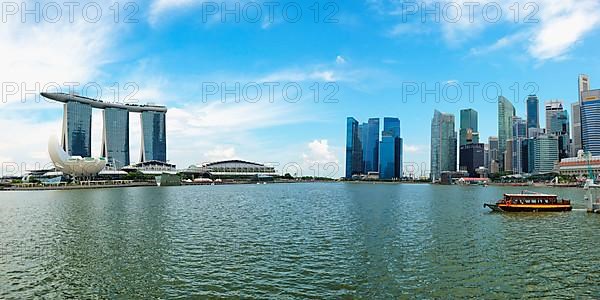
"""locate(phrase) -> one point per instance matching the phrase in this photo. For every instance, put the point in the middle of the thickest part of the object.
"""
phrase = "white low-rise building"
(233, 168)
(580, 165)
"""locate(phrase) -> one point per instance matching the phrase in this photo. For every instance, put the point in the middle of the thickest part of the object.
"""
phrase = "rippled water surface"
(293, 241)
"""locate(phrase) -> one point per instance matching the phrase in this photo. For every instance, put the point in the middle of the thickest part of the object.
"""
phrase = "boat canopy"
(530, 195)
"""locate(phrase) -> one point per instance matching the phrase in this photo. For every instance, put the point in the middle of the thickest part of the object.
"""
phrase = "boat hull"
(529, 208)
(493, 207)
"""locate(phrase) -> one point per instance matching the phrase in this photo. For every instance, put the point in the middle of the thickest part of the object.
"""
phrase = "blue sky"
(368, 49)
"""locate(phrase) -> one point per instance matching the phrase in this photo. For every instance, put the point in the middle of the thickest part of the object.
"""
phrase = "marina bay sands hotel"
(76, 137)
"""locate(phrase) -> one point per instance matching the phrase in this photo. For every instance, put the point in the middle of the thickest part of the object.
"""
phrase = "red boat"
(530, 202)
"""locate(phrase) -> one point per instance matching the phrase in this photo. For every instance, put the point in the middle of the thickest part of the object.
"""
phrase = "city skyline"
(367, 149)
(173, 57)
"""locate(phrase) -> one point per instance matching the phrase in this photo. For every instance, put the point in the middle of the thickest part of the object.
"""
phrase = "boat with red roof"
(530, 202)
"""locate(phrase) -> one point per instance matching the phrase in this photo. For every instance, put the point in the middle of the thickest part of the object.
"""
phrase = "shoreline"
(151, 184)
(139, 184)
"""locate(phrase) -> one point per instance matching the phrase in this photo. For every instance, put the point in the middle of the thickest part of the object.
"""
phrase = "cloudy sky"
(274, 81)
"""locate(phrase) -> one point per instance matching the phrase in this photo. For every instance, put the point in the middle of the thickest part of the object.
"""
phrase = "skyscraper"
(583, 86)
(576, 128)
(508, 156)
(553, 107)
(393, 125)
(519, 127)
(386, 155)
(468, 127)
(443, 144)
(493, 148)
(363, 134)
(546, 153)
(486, 156)
(519, 136)
(115, 138)
(354, 154)
(472, 157)
(154, 136)
(525, 156)
(531, 153)
(506, 111)
(533, 112)
(77, 129)
(371, 146)
(558, 124)
(590, 121)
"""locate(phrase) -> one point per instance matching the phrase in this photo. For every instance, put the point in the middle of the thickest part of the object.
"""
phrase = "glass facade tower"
(519, 141)
(363, 133)
(354, 155)
(553, 107)
(469, 134)
(115, 139)
(391, 134)
(533, 112)
(386, 155)
(576, 128)
(546, 153)
(557, 123)
(371, 146)
(154, 136)
(590, 121)
(506, 111)
(77, 129)
(443, 144)
(493, 148)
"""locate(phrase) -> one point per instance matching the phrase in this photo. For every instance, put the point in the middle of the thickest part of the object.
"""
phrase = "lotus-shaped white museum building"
(73, 165)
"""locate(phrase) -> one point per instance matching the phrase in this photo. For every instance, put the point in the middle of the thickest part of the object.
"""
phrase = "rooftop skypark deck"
(63, 97)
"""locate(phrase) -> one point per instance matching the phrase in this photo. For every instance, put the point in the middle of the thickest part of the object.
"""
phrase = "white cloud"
(324, 76)
(340, 60)
(560, 24)
(159, 7)
(501, 43)
(319, 151)
(212, 12)
(26, 146)
(197, 132)
(301, 75)
(320, 160)
(563, 24)
(201, 120)
(36, 53)
(195, 128)
(219, 153)
(413, 149)
(408, 29)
